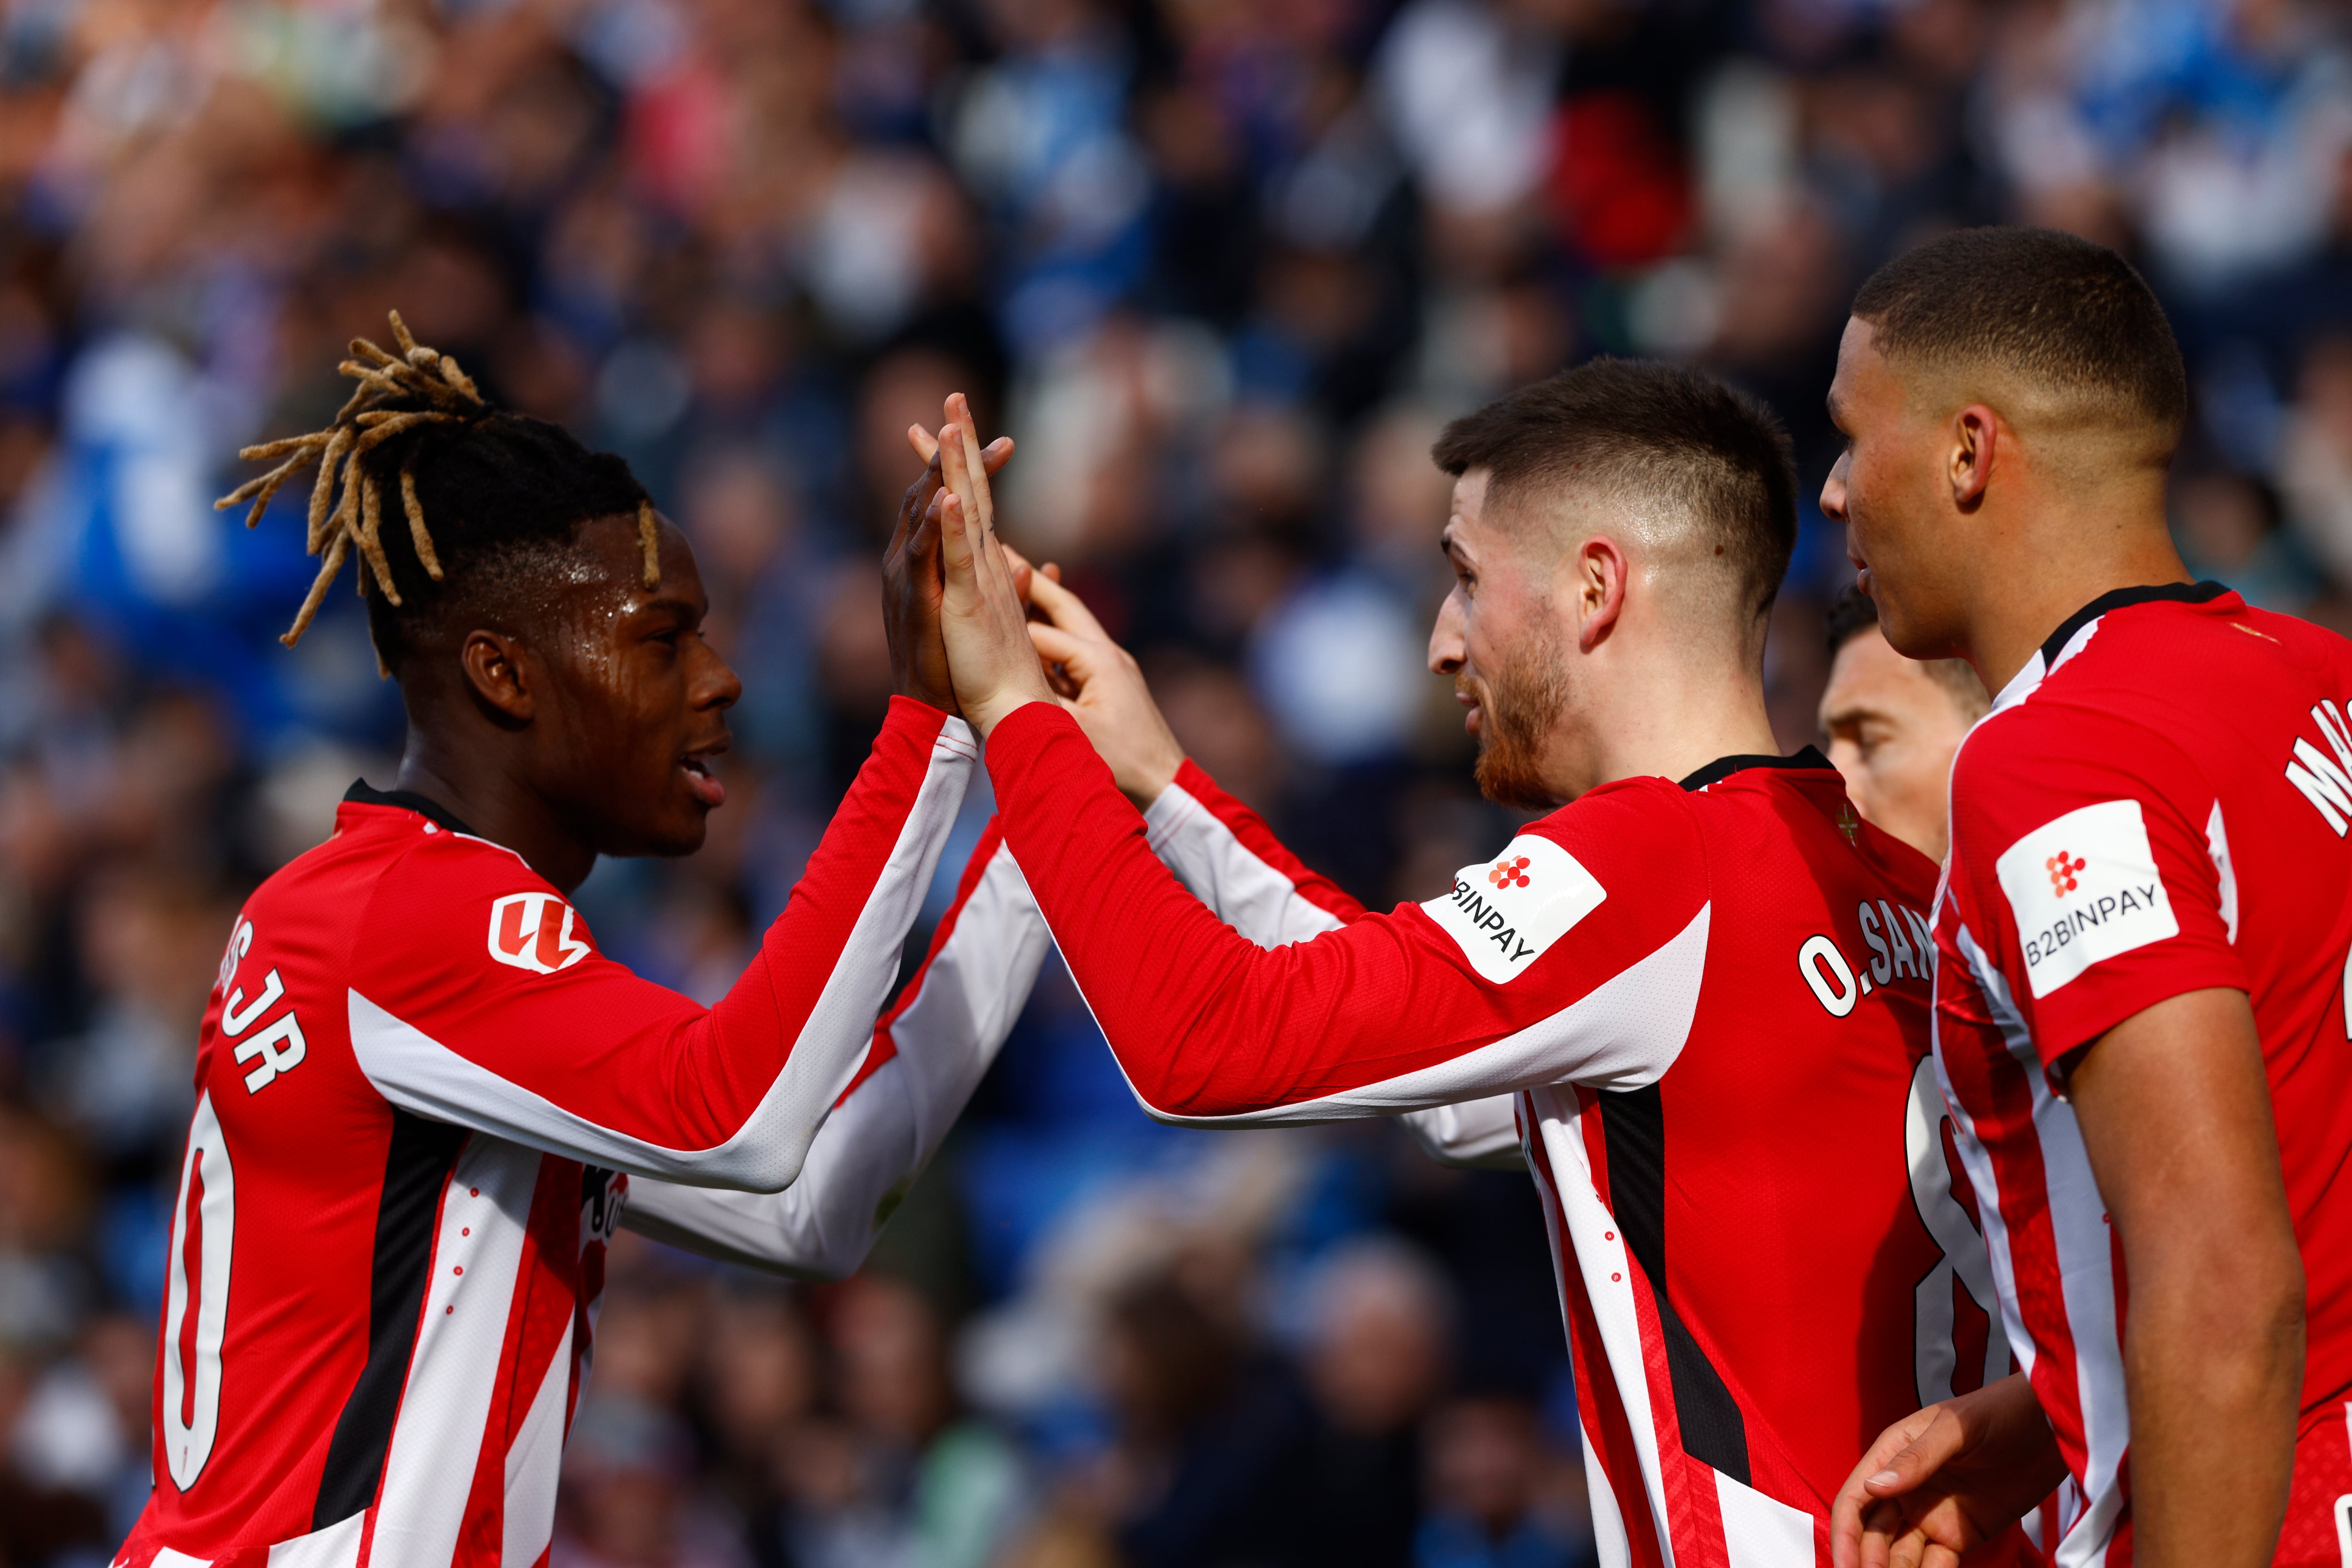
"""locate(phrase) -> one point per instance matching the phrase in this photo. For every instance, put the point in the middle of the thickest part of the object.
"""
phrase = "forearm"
(929, 1055)
(2213, 1365)
(2174, 1108)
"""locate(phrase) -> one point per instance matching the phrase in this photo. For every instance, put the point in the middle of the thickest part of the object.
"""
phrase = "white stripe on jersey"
(535, 1463)
(2078, 1227)
(1595, 1249)
(337, 1546)
(1218, 869)
(418, 1073)
(1611, 1547)
(445, 1405)
(1761, 1531)
(1621, 1034)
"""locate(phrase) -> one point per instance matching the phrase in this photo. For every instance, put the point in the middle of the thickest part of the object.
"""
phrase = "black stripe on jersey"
(1723, 768)
(416, 1169)
(2117, 599)
(1633, 1129)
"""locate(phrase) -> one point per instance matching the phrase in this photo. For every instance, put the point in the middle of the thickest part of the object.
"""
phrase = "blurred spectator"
(1489, 1491)
(1223, 271)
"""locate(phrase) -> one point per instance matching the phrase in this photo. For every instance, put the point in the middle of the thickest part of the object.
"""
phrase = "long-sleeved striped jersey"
(1711, 999)
(425, 1100)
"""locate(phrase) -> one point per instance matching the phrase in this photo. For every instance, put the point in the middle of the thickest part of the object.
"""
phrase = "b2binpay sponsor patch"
(2083, 887)
(1504, 913)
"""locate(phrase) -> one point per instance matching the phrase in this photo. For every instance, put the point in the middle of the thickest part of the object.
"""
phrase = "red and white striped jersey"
(2158, 803)
(425, 1100)
(1711, 999)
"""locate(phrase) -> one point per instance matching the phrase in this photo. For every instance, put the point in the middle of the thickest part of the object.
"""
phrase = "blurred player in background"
(1893, 725)
(1711, 993)
(2140, 992)
(425, 1098)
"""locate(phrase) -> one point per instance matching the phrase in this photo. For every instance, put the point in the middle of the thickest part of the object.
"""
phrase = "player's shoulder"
(439, 886)
(2164, 656)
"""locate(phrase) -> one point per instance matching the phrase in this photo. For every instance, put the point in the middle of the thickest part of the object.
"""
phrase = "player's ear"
(497, 674)
(1975, 433)
(1599, 574)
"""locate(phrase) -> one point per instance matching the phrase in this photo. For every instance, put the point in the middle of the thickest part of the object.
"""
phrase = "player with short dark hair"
(1893, 725)
(425, 1098)
(2140, 995)
(1704, 979)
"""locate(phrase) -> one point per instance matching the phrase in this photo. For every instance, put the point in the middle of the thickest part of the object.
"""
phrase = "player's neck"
(2049, 574)
(1676, 723)
(475, 784)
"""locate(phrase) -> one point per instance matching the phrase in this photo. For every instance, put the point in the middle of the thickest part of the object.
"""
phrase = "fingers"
(1062, 607)
(959, 413)
(926, 444)
(1057, 646)
(998, 453)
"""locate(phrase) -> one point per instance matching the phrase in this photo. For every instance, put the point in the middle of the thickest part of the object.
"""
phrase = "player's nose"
(1445, 646)
(1833, 489)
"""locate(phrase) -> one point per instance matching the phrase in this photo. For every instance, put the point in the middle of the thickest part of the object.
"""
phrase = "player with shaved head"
(2140, 986)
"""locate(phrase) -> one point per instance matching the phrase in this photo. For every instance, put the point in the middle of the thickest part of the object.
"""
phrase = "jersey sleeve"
(1227, 857)
(930, 1053)
(2090, 873)
(478, 997)
(1476, 1134)
(1577, 955)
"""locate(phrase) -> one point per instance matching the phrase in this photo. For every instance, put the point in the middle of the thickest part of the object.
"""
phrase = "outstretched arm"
(1532, 974)
(533, 1035)
(930, 1053)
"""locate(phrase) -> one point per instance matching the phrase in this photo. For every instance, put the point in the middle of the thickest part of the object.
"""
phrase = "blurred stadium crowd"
(1222, 267)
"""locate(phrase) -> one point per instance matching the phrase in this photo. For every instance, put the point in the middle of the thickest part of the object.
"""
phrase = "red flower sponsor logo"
(1510, 872)
(2062, 870)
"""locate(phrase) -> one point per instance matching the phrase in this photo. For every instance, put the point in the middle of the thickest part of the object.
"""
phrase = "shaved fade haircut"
(1677, 442)
(2062, 316)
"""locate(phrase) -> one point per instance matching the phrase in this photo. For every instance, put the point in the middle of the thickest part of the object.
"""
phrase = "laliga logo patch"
(2083, 887)
(1504, 913)
(533, 931)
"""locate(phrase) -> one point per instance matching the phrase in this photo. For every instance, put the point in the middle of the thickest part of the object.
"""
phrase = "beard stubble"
(1522, 702)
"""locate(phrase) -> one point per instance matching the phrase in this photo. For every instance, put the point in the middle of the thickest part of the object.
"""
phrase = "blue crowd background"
(1224, 267)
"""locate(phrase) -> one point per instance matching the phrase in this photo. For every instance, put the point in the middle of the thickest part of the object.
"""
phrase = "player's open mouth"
(705, 784)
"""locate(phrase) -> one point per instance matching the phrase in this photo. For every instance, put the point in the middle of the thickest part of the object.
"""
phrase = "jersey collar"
(2117, 599)
(361, 793)
(1723, 768)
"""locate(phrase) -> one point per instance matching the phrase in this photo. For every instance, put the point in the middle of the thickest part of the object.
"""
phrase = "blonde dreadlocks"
(403, 395)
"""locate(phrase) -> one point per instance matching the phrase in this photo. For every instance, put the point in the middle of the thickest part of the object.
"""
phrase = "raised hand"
(1111, 702)
(1945, 1478)
(992, 664)
(910, 571)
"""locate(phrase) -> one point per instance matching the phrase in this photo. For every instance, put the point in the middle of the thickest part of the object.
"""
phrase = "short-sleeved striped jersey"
(2158, 803)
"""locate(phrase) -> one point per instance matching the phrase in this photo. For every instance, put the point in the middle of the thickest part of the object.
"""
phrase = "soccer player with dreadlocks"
(425, 1098)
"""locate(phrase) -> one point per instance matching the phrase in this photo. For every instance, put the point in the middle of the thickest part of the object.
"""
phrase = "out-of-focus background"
(1223, 267)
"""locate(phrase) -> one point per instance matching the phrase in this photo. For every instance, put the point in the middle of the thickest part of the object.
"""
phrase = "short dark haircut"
(2053, 310)
(1854, 612)
(1664, 430)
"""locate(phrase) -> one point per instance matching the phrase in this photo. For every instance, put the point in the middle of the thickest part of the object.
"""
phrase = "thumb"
(1063, 608)
(1080, 657)
(1907, 1467)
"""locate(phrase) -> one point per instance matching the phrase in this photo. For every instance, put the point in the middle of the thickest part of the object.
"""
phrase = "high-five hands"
(1945, 1478)
(1111, 703)
(992, 664)
(911, 583)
